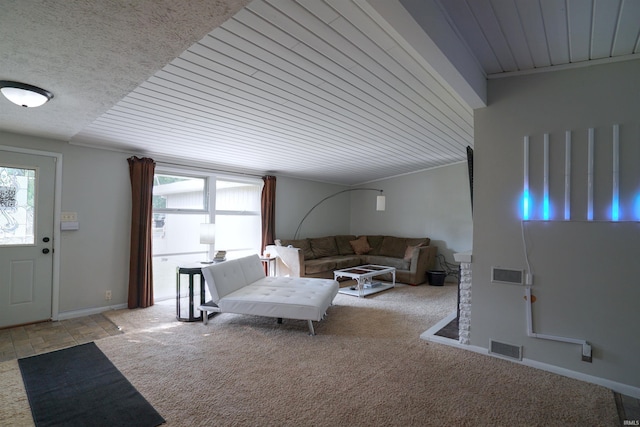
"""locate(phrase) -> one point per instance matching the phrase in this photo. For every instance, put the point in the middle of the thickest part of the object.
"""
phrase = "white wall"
(294, 198)
(95, 258)
(585, 273)
(435, 203)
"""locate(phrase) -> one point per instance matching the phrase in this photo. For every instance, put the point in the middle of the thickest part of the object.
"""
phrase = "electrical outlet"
(587, 353)
(107, 295)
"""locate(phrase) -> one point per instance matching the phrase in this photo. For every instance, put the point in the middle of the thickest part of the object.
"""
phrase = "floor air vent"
(506, 350)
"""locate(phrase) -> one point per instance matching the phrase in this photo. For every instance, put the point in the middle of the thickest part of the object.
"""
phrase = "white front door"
(27, 193)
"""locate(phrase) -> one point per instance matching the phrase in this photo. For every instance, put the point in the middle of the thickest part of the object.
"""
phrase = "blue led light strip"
(615, 197)
(525, 190)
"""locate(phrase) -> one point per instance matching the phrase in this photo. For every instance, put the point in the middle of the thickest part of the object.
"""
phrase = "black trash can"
(436, 277)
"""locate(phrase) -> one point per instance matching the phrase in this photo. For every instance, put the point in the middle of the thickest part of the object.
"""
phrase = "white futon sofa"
(241, 286)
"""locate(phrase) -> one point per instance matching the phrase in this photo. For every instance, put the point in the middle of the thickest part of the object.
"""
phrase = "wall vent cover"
(506, 350)
(505, 275)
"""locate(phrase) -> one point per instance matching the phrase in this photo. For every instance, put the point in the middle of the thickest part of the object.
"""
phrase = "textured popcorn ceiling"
(91, 53)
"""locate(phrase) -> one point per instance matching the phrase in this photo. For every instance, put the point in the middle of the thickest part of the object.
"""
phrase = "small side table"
(191, 270)
(269, 261)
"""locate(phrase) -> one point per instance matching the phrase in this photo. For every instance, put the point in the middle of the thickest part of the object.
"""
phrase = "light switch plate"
(69, 216)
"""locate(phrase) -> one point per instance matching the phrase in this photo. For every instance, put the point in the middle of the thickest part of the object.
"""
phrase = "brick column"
(464, 321)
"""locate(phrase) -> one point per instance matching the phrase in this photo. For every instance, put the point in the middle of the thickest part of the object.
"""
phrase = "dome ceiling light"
(23, 94)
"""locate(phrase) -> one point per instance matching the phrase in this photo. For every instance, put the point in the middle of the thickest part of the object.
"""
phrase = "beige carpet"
(366, 366)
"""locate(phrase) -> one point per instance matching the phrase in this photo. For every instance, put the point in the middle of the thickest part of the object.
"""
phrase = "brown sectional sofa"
(320, 257)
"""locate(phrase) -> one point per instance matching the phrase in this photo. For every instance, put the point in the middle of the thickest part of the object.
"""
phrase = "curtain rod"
(208, 169)
(164, 163)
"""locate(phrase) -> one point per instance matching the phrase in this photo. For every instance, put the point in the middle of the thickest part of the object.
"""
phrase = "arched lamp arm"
(295, 236)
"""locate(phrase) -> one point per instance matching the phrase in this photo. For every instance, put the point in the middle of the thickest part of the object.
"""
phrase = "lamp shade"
(380, 203)
(207, 234)
(23, 94)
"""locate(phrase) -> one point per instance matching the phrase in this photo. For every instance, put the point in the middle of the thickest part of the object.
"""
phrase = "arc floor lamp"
(380, 203)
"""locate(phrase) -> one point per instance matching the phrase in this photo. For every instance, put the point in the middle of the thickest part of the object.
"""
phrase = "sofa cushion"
(398, 263)
(348, 261)
(360, 245)
(314, 266)
(302, 244)
(375, 242)
(290, 298)
(251, 268)
(394, 247)
(344, 247)
(224, 278)
(324, 246)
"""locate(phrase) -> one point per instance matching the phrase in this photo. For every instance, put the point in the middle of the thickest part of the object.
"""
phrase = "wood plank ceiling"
(312, 89)
(322, 90)
(515, 35)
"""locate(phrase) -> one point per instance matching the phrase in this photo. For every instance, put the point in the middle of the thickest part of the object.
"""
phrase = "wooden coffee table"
(364, 275)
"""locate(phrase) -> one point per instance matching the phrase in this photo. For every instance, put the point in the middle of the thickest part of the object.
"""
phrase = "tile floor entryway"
(23, 341)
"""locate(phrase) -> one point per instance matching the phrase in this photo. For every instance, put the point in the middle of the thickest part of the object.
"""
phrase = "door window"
(17, 200)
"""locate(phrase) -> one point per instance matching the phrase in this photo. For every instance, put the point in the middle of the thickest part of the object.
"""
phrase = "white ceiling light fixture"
(23, 94)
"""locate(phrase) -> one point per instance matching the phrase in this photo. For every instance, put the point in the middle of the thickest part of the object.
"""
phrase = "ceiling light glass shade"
(23, 94)
(207, 234)
(380, 203)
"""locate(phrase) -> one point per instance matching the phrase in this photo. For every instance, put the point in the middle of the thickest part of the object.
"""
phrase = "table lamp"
(208, 237)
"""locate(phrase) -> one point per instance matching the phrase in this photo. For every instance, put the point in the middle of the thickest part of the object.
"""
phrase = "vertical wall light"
(590, 176)
(525, 186)
(567, 175)
(545, 179)
(615, 197)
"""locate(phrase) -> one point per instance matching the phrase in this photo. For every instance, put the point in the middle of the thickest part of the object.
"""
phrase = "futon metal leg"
(311, 331)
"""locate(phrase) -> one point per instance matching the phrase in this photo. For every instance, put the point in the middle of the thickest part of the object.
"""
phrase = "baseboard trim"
(621, 388)
(88, 311)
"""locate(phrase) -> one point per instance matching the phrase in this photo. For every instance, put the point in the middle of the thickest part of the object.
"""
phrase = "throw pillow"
(360, 245)
(342, 242)
(408, 253)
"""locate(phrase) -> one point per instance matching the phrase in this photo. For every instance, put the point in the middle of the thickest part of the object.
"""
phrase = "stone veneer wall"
(464, 321)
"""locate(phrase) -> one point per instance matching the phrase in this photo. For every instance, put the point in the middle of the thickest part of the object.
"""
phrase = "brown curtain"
(268, 208)
(140, 263)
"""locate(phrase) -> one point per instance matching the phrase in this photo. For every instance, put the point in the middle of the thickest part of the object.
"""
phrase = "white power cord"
(586, 347)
